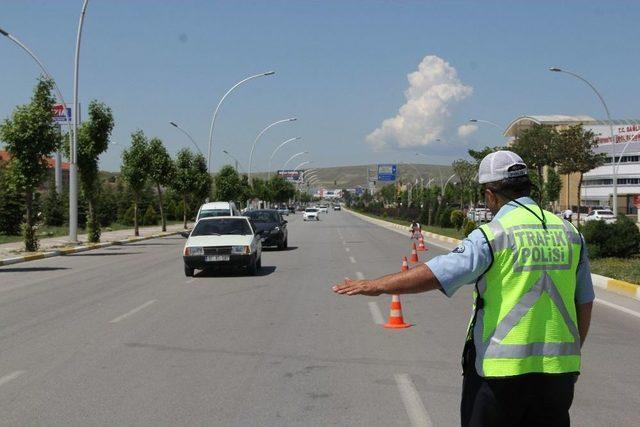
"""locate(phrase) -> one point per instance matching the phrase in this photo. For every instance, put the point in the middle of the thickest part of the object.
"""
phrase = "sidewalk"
(10, 250)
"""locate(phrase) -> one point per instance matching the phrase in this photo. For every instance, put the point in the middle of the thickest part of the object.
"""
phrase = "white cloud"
(466, 130)
(433, 88)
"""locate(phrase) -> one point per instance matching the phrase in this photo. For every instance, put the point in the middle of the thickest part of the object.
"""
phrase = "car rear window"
(311, 210)
(262, 216)
(219, 227)
(211, 213)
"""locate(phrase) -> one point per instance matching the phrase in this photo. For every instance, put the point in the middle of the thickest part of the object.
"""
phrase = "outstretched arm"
(419, 279)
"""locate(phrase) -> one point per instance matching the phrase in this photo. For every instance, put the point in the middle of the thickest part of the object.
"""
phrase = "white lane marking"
(134, 311)
(359, 275)
(352, 259)
(12, 376)
(618, 307)
(347, 249)
(412, 403)
(190, 280)
(375, 313)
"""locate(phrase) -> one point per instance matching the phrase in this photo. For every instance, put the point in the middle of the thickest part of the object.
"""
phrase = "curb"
(615, 286)
(77, 249)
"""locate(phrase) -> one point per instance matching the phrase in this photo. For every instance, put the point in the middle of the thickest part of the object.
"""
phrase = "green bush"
(468, 227)
(457, 218)
(11, 211)
(170, 211)
(384, 214)
(53, 208)
(127, 217)
(150, 216)
(620, 239)
(444, 220)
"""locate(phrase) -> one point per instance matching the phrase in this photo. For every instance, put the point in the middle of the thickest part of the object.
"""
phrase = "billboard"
(292, 175)
(60, 115)
(387, 172)
(622, 133)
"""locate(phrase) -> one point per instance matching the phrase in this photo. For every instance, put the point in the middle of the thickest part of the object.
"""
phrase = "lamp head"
(473, 120)
(555, 69)
(293, 119)
(3, 32)
(173, 124)
(269, 73)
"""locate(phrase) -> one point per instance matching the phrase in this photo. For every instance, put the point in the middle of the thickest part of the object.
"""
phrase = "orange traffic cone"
(421, 246)
(405, 265)
(396, 321)
(414, 254)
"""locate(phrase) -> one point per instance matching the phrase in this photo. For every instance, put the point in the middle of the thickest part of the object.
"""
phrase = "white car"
(213, 209)
(323, 208)
(311, 213)
(223, 241)
(605, 215)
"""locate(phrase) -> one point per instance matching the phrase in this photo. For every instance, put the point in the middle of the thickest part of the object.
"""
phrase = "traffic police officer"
(532, 303)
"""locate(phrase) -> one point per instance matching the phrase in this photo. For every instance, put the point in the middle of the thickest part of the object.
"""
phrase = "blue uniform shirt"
(466, 263)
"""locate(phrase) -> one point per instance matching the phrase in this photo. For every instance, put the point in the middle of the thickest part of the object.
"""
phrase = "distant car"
(214, 209)
(283, 210)
(480, 214)
(292, 209)
(300, 208)
(323, 208)
(336, 207)
(311, 213)
(273, 227)
(223, 241)
(605, 215)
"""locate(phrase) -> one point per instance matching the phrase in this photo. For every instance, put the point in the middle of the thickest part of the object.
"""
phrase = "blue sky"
(341, 68)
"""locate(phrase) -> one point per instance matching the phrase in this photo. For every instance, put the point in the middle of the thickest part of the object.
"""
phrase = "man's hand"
(357, 287)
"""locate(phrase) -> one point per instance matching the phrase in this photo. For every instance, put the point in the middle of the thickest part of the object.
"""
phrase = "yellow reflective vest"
(525, 314)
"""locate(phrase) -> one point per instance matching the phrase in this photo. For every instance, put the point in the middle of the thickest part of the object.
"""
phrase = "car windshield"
(263, 216)
(210, 213)
(311, 210)
(219, 227)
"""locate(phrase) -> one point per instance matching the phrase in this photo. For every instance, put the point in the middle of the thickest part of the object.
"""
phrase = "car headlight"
(193, 250)
(275, 230)
(240, 250)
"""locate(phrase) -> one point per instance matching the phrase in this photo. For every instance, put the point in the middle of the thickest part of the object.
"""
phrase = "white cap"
(496, 167)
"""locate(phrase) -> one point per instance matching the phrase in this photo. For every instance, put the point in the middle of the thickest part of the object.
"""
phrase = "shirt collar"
(509, 206)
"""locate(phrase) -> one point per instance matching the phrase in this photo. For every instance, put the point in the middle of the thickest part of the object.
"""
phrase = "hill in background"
(353, 176)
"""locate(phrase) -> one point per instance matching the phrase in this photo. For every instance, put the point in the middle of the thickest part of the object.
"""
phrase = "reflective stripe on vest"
(530, 261)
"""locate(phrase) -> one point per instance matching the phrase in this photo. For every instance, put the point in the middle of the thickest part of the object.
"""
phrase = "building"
(5, 157)
(597, 185)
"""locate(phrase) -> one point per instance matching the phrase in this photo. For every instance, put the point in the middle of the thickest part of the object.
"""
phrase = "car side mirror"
(185, 234)
(284, 221)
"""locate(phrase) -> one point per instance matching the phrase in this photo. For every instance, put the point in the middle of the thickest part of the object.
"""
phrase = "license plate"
(211, 258)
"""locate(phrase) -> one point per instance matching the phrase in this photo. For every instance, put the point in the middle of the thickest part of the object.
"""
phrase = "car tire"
(188, 271)
(286, 243)
(253, 268)
(259, 263)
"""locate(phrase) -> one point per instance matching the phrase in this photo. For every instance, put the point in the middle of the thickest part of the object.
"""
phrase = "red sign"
(636, 200)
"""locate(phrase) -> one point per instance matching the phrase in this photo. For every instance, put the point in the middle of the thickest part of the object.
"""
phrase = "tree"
(11, 210)
(30, 136)
(161, 172)
(202, 179)
(280, 190)
(553, 186)
(260, 189)
(53, 208)
(478, 155)
(388, 193)
(466, 172)
(228, 185)
(184, 181)
(93, 140)
(538, 147)
(135, 163)
(576, 146)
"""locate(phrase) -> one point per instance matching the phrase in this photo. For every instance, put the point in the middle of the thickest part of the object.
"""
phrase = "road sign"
(60, 115)
(387, 173)
(292, 175)
(359, 191)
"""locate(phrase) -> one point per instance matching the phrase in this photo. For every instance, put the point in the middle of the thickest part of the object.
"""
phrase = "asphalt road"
(120, 337)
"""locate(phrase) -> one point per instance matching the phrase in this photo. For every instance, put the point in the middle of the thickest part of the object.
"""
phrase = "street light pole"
(58, 157)
(487, 122)
(284, 167)
(255, 141)
(297, 138)
(234, 159)
(215, 113)
(613, 139)
(73, 161)
(175, 125)
(301, 164)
